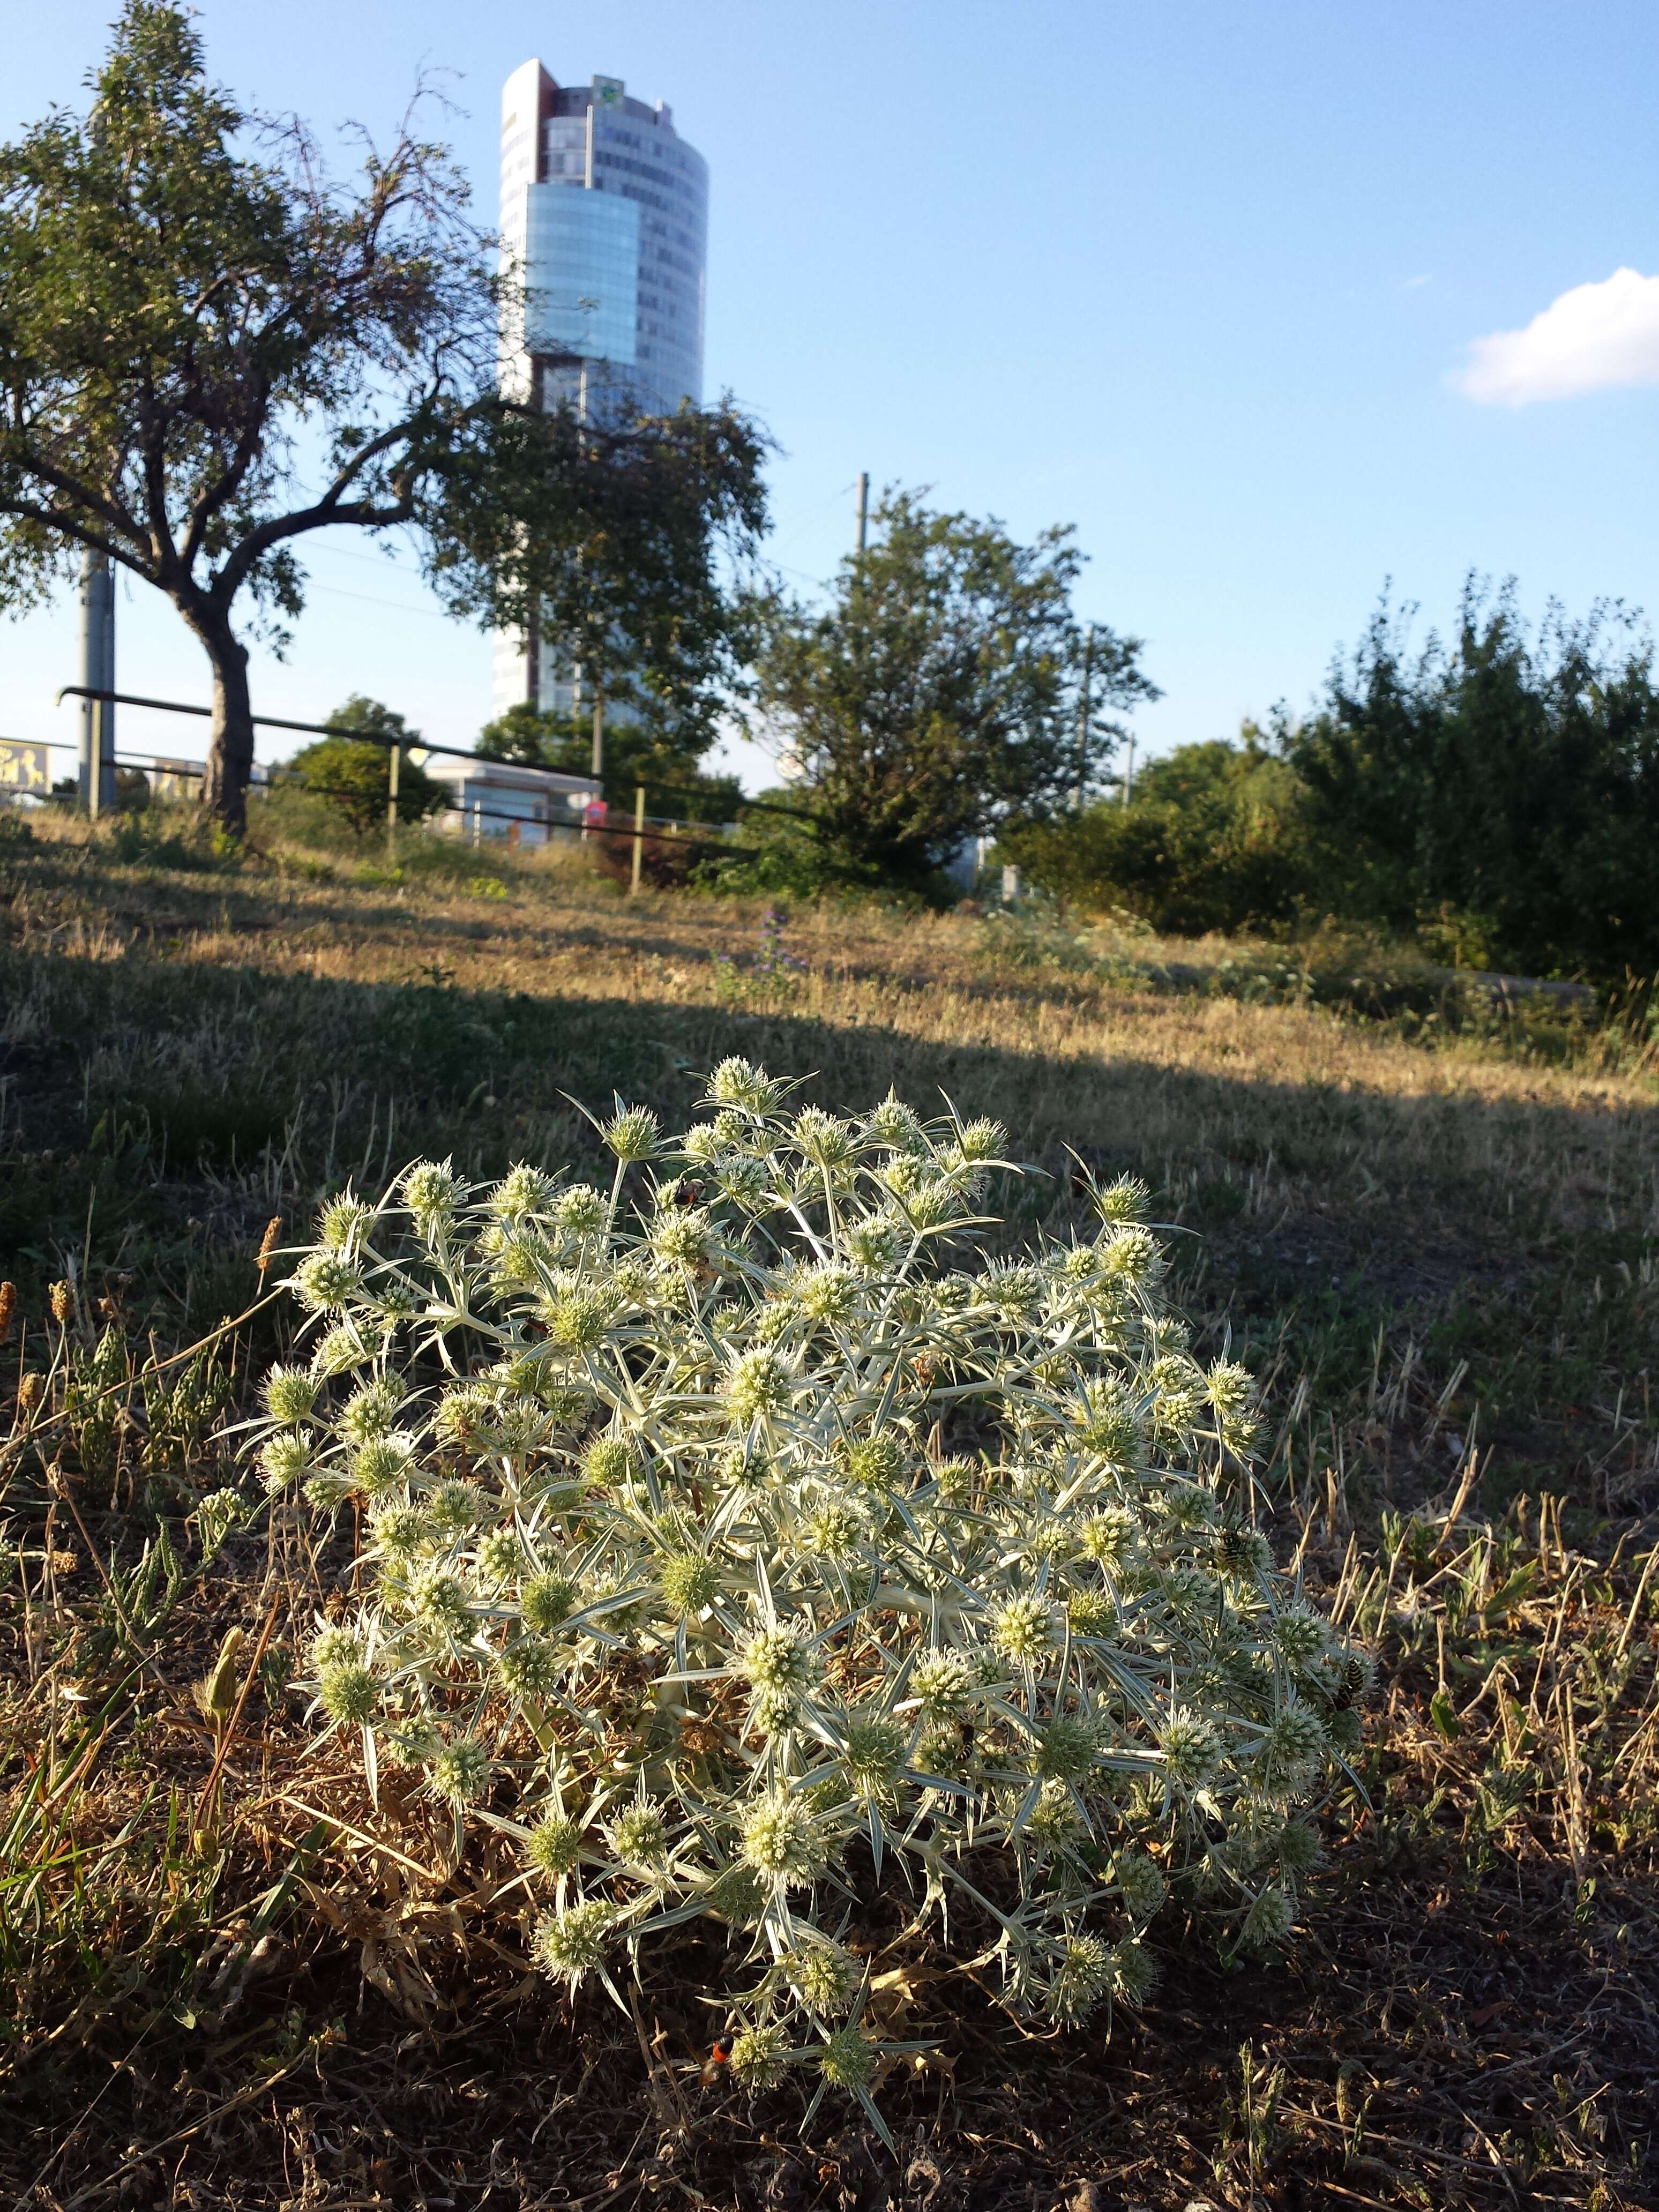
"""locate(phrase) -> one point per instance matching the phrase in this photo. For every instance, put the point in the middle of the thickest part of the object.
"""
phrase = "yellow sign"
(24, 768)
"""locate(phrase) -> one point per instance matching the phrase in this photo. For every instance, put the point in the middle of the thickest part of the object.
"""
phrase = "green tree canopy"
(193, 312)
(1500, 788)
(938, 695)
(1213, 838)
(353, 773)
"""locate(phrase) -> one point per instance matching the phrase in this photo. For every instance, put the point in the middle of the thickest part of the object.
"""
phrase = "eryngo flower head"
(1270, 1919)
(1126, 1199)
(874, 1245)
(286, 1459)
(327, 1282)
(1068, 1747)
(829, 1293)
(1243, 1551)
(555, 1845)
(835, 1532)
(1082, 1978)
(1022, 1630)
(758, 1383)
(896, 1125)
(781, 1838)
(1140, 1884)
(633, 1133)
(343, 1225)
(1191, 1748)
(1107, 1422)
(638, 1835)
(570, 1943)
(400, 1530)
(465, 1414)
(1231, 1388)
(382, 1464)
(1092, 1612)
(432, 1191)
(340, 1351)
(1291, 1750)
(1132, 1254)
(683, 1237)
(1053, 1823)
(581, 1209)
(826, 1141)
(875, 1752)
(606, 1463)
(942, 1683)
(548, 1601)
(335, 1645)
(438, 1601)
(690, 1583)
(823, 1975)
(347, 1692)
(455, 1508)
(373, 1409)
(461, 1771)
(500, 1556)
(738, 1083)
(580, 1319)
(1135, 1973)
(291, 1394)
(847, 2059)
(532, 1666)
(1298, 1634)
(874, 1462)
(779, 1658)
(760, 2056)
(982, 1140)
(523, 1191)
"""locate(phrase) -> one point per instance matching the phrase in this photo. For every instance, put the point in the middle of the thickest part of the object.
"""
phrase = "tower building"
(605, 217)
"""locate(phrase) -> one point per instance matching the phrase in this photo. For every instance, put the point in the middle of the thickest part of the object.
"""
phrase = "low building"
(518, 806)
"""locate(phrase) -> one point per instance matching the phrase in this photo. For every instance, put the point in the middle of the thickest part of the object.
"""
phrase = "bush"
(1497, 794)
(733, 1553)
(1213, 840)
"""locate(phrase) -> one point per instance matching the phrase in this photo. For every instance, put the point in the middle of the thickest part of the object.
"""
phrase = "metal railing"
(641, 828)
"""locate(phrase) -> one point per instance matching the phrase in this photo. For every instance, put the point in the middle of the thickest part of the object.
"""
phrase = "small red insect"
(718, 2056)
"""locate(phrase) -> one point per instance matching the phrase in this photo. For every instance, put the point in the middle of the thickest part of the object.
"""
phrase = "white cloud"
(1594, 338)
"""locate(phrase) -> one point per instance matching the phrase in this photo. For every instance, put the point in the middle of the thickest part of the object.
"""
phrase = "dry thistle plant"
(736, 1554)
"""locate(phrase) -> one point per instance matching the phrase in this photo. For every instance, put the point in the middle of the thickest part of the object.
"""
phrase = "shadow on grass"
(156, 1114)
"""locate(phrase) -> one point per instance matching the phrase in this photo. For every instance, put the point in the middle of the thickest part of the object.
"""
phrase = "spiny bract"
(738, 1530)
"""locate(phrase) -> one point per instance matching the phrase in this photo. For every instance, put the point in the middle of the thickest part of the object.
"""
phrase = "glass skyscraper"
(604, 216)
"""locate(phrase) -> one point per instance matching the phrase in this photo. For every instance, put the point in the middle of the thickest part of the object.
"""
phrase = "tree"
(1499, 792)
(938, 695)
(1213, 838)
(196, 319)
(352, 775)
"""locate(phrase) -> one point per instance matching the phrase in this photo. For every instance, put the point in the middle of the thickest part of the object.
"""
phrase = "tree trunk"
(230, 748)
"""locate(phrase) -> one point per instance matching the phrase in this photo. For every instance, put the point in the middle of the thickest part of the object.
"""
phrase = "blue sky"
(1208, 278)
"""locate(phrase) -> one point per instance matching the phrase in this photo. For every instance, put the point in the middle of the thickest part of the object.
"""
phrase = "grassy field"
(1428, 1222)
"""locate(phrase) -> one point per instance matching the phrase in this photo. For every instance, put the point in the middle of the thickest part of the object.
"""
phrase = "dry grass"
(1437, 1240)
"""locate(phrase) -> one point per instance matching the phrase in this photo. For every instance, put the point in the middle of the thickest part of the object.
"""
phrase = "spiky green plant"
(735, 1529)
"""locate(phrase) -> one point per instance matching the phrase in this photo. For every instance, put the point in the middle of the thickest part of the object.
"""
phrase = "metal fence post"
(639, 837)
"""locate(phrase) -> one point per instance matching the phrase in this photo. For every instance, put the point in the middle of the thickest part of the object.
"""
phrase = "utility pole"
(1084, 704)
(1130, 773)
(598, 733)
(864, 506)
(97, 772)
(393, 758)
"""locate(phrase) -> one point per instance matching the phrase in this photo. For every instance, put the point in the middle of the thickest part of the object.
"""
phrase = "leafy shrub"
(737, 1552)
(1213, 838)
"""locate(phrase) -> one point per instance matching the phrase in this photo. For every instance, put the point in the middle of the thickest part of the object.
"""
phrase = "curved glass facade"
(605, 214)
